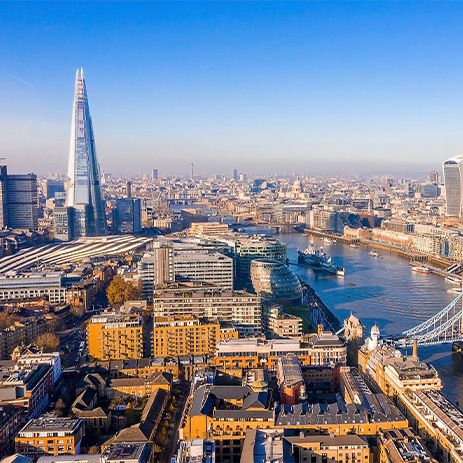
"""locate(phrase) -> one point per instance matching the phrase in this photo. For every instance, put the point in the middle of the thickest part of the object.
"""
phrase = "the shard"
(83, 194)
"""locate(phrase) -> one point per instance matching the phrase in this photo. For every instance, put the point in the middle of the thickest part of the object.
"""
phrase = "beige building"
(282, 325)
(208, 229)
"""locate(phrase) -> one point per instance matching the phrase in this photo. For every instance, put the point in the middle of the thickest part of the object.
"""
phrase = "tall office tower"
(434, 176)
(21, 192)
(235, 175)
(154, 174)
(3, 197)
(84, 190)
(156, 269)
(126, 215)
(453, 182)
(128, 189)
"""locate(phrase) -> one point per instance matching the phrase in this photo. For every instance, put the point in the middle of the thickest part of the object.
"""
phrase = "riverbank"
(436, 265)
(314, 311)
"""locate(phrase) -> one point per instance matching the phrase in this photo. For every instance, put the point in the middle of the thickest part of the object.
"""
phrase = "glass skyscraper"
(453, 181)
(83, 192)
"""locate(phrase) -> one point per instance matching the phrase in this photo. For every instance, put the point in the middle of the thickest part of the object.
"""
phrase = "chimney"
(320, 329)
(415, 350)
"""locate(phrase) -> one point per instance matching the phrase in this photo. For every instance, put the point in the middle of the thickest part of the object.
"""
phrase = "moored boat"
(420, 269)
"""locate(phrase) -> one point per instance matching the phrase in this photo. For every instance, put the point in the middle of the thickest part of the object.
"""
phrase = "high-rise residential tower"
(453, 181)
(84, 191)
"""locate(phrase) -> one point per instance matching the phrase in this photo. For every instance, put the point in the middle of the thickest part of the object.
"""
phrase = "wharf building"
(415, 386)
(113, 336)
(394, 373)
(187, 335)
(84, 201)
(227, 413)
(403, 446)
(242, 309)
(324, 349)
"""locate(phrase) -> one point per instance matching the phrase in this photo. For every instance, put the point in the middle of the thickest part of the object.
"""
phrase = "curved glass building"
(453, 181)
(274, 281)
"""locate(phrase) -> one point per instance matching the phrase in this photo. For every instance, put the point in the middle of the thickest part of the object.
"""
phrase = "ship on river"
(318, 260)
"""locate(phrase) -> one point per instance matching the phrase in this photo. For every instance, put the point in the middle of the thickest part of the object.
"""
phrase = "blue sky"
(304, 87)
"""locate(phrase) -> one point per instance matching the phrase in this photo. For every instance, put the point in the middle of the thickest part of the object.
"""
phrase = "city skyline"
(258, 87)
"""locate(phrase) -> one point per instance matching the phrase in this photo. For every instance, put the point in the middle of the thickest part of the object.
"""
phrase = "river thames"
(381, 290)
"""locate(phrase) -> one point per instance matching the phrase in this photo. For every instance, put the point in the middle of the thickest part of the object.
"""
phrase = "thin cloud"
(20, 79)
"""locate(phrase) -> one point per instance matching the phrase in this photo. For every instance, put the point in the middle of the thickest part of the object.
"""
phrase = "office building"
(156, 269)
(208, 229)
(63, 223)
(21, 191)
(274, 281)
(84, 190)
(33, 285)
(154, 174)
(244, 310)
(126, 216)
(187, 335)
(113, 336)
(50, 435)
(3, 196)
(235, 175)
(53, 186)
(453, 182)
(255, 247)
(213, 268)
(18, 200)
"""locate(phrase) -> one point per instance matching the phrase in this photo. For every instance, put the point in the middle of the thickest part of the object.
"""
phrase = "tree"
(48, 341)
(120, 291)
(6, 320)
(77, 310)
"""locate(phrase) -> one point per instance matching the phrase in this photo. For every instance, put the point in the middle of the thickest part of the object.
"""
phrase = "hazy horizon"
(290, 87)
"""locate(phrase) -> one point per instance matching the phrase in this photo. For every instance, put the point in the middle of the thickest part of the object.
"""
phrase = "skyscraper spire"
(84, 190)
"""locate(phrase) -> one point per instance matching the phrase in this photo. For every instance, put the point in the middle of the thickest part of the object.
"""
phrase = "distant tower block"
(154, 174)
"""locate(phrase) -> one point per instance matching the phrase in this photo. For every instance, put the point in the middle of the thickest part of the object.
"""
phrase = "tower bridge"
(444, 327)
